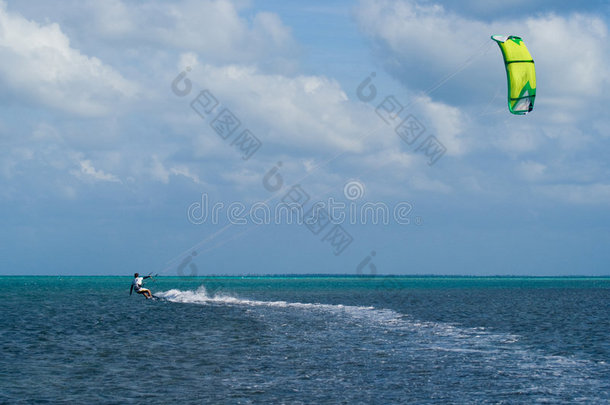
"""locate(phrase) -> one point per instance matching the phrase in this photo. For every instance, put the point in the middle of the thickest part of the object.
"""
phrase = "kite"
(520, 73)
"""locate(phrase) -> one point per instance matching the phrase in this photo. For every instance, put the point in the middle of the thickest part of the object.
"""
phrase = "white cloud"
(310, 119)
(185, 172)
(572, 56)
(88, 172)
(299, 113)
(447, 123)
(302, 118)
(159, 172)
(37, 63)
(214, 29)
(422, 42)
(420, 37)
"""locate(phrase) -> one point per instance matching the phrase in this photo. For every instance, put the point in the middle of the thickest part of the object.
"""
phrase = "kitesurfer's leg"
(145, 292)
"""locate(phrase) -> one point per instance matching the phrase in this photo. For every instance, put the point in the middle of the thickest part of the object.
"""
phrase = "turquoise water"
(305, 340)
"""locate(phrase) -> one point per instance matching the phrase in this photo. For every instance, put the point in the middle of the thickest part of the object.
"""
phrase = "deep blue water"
(305, 340)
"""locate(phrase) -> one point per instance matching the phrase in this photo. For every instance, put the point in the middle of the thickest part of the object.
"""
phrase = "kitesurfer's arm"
(147, 277)
(131, 289)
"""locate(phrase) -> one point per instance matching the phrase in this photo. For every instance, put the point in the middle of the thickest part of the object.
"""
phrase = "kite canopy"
(520, 73)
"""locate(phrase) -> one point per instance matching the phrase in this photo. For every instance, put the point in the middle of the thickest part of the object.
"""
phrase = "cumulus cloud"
(444, 57)
(447, 122)
(214, 29)
(302, 113)
(572, 53)
(307, 117)
(422, 42)
(38, 64)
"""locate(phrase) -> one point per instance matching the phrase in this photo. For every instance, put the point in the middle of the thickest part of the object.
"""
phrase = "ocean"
(306, 339)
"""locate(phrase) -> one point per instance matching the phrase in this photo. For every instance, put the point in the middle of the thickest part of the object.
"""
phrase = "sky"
(167, 137)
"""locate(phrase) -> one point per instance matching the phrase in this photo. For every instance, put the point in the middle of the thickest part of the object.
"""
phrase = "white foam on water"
(371, 315)
(497, 347)
(201, 296)
(432, 335)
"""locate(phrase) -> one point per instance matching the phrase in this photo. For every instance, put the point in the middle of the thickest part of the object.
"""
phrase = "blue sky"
(100, 160)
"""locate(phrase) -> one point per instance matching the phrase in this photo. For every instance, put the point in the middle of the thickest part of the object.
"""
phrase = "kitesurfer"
(136, 285)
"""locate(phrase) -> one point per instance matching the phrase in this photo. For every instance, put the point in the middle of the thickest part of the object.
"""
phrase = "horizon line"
(302, 275)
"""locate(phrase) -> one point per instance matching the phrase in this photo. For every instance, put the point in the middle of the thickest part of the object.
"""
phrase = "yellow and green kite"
(520, 73)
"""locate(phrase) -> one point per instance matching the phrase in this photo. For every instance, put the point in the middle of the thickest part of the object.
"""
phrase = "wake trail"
(201, 297)
(490, 347)
(372, 316)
